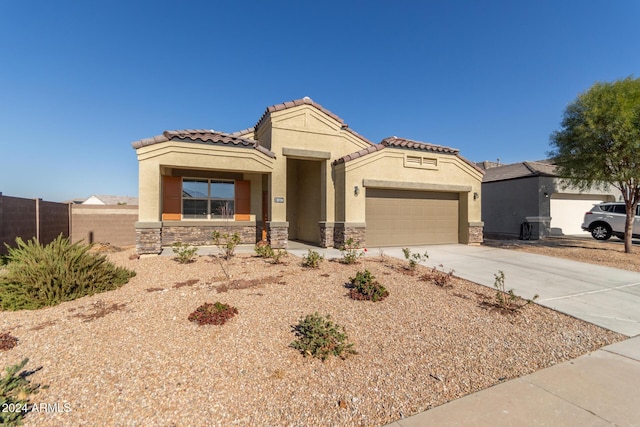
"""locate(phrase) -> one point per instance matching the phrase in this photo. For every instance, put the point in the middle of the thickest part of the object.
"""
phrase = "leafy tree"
(599, 143)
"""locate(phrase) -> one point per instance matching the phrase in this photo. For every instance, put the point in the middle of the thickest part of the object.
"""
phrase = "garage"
(406, 217)
(567, 212)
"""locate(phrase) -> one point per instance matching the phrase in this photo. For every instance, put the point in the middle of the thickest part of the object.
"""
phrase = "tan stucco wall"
(386, 168)
(306, 128)
(312, 140)
(190, 156)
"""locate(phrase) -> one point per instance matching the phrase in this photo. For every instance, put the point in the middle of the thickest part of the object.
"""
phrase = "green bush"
(414, 259)
(319, 337)
(365, 287)
(226, 242)
(15, 390)
(263, 250)
(312, 259)
(508, 300)
(350, 252)
(38, 276)
(185, 253)
(278, 254)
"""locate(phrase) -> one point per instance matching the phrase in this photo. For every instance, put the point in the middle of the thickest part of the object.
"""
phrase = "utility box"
(539, 226)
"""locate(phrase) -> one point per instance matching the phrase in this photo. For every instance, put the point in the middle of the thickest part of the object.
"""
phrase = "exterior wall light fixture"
(475, 196)
(356, 190)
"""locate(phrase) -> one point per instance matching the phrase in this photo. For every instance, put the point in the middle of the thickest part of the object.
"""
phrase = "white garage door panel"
(567, 214)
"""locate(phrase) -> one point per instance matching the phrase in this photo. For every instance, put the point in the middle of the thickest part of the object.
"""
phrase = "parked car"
(607, 219)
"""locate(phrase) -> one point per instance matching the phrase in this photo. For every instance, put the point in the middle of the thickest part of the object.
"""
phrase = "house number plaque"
(278, 199)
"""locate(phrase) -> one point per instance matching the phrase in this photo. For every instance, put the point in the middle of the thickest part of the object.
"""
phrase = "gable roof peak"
(295, 103)
(308, 101)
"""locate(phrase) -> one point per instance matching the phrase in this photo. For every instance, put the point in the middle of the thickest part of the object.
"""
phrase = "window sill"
(208, 223)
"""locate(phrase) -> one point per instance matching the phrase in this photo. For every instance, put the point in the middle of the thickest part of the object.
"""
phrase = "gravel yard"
(609, 253)
(131, 357)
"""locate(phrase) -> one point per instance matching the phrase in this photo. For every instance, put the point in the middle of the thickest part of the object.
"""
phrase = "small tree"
(599, 143)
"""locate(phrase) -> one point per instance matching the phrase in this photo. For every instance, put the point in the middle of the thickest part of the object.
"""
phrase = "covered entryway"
(567, 212)
(304, 195)
(406, 217)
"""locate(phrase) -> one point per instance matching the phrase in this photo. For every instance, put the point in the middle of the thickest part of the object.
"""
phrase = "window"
(207, 199)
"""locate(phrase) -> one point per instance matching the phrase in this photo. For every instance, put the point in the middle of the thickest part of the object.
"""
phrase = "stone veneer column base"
(197, 234)
(278, 234)
(476, 233)
(344, 231)
(148, 238)
(326, 234)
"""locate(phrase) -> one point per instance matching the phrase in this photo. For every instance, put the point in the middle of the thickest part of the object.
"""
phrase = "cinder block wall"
(17, 219)
(104, 224)
(54, 220)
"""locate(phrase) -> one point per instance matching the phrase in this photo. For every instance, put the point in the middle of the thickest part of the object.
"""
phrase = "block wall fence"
(29, 218)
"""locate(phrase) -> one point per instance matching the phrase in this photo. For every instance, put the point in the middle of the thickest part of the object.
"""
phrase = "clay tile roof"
(308, 101)
(295, 103)
(394, 141)
(363, 152)
(205, 136)
(243, 132)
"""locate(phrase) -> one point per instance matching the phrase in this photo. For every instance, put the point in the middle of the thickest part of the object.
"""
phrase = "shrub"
(350, 252)
(508, 300)
(312, 259)
(414, 259)
(39, 276)
(213, 314)
(365, 287)
(184, 252)
(226, 242)
(439, 277)
(278, 254)
(263, 250)
(7, 342)
(319, 337)
(15, 390)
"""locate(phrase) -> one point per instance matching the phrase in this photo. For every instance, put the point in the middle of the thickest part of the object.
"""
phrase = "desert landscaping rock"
(131, 357)
(583, 249)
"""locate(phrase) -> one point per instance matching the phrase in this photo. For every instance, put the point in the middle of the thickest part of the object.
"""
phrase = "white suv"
(607, 219)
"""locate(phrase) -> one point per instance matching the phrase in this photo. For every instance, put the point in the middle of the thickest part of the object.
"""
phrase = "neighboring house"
(300, 173)
(110, 200)
(532, 192)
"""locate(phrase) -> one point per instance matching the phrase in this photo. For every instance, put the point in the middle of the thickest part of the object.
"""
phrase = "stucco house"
(302, 174)
(534, 193)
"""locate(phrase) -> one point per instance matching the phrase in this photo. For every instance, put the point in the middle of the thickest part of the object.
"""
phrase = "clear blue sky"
(81, 80)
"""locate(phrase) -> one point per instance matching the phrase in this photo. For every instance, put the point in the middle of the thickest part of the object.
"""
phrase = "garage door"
(403, 217)
(567, 212)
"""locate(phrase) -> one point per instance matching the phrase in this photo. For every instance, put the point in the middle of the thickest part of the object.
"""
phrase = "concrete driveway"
(605, 296)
